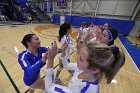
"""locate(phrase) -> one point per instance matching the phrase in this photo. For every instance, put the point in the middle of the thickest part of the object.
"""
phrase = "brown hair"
(83, 24)
(63, 30)
(108, 59)
(27, 38)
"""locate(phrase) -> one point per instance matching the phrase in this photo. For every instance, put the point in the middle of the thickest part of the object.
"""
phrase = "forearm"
(79, 38)
(50, 63)
(32, 70)
(49, 78)
(51, 87)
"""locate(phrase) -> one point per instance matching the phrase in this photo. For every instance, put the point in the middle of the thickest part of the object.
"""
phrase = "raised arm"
(50, 86)
(31, 70)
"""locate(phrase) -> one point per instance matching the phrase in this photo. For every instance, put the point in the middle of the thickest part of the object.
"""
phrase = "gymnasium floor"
(134, 40)
(126, 81)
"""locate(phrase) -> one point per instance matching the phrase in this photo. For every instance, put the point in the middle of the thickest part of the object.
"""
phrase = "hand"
(52, 52)
(80, 36)
(78, 45)
(45, 57)
(63, 47)
(88, 30)
(90, 36)
(60, 49)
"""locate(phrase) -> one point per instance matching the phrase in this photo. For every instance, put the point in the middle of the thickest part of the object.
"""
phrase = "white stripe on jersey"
(22, 59)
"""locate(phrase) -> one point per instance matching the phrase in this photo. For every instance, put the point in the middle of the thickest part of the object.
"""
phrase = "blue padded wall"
(123, 26)
(56, 19)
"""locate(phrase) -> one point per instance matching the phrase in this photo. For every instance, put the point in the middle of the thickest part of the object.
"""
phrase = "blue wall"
(123, 26)
(56, 19)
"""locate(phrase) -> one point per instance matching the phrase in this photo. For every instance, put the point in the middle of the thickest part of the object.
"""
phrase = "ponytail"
(119, 60)
(108, 59)
(27, 38)
(63, 30)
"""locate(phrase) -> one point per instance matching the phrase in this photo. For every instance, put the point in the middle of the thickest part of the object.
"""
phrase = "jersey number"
(59, 90)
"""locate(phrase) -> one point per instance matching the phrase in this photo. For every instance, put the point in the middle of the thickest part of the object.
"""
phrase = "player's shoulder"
(23, 53)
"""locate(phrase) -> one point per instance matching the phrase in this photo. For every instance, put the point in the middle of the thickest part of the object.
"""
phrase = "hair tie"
(109, 33)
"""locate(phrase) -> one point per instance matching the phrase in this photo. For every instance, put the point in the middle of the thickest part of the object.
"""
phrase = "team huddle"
(97, 58)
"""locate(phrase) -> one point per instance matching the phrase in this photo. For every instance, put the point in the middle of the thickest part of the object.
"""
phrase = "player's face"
(91, 25)
(82, 59)
(104, 37)
(35, 42)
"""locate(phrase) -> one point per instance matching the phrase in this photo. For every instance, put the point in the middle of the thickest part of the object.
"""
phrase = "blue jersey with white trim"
(31, 65)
